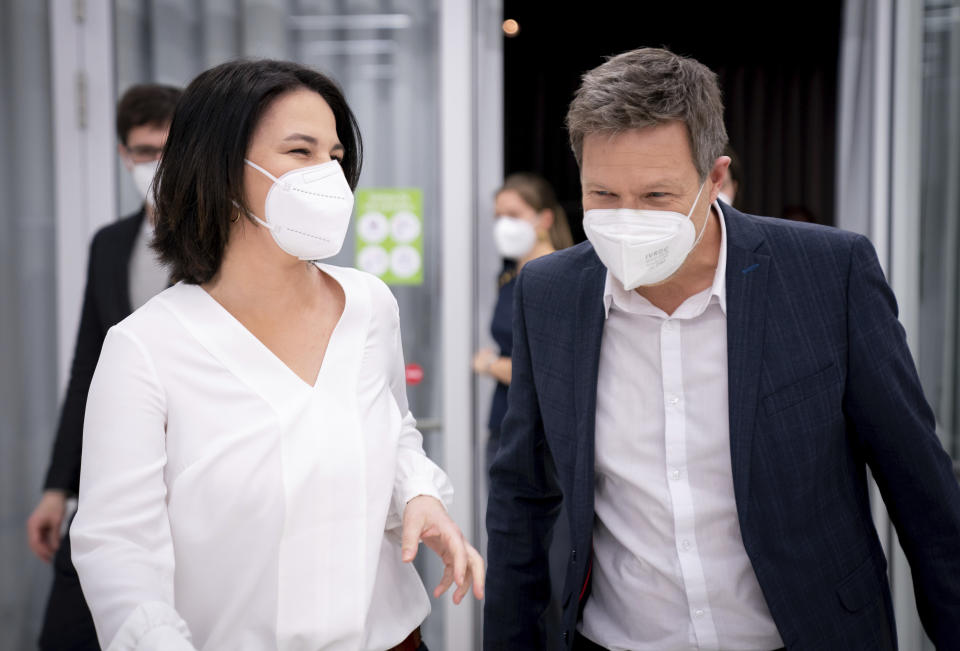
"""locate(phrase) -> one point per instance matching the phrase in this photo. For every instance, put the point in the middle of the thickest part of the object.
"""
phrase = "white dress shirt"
(227, 505)
(670, 570)
(147, 276)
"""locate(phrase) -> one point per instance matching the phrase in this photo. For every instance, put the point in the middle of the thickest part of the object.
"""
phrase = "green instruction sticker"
(390, 234)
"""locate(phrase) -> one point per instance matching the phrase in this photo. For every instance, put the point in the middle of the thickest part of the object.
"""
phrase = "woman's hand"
(483, 360)
(425, 519)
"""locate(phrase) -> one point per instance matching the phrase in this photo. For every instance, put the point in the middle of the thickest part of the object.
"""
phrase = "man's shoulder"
(786, 238)
(562, 265)
(119, 233)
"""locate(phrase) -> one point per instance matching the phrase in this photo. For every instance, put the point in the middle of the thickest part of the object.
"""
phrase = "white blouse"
(225, 504)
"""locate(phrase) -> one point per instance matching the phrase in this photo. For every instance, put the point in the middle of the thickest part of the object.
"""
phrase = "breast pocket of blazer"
(801, 390)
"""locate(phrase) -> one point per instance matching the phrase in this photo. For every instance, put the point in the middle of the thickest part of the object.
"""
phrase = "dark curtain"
(779, 86)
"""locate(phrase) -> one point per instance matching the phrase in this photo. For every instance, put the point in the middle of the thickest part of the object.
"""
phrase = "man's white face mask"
(143, 174)
(642, 247)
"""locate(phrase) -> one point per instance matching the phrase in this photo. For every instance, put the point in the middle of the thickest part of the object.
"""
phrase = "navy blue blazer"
(821, 386)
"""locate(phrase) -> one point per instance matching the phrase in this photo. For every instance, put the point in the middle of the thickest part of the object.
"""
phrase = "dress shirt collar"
(614, 292)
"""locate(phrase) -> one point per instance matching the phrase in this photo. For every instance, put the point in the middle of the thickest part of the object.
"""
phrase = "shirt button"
(668, 325)
(685, 545)
(673, 400)
(698, 612)
(675, 474)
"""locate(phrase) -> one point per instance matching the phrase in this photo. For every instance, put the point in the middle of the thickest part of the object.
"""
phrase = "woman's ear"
(546, 219)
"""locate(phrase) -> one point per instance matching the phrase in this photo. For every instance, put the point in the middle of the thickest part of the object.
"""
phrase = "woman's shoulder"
(360, 281)
(156, 323)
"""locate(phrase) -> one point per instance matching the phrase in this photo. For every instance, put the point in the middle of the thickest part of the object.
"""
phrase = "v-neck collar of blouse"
(249, 359)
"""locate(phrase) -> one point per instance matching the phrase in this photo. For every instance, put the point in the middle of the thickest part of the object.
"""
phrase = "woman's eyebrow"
(301, 136)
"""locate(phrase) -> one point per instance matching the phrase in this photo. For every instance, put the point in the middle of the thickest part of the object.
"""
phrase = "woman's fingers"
(477, 572)
(410, 537)
(458, 546)
(462, 589)
(445, 581)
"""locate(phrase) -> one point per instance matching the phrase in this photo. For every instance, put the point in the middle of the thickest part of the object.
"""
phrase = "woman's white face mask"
(308, 210)
(642, 247)
(514, 237)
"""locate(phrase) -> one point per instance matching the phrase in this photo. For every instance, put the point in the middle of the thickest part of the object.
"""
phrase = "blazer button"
(566, 635)
(573, 555)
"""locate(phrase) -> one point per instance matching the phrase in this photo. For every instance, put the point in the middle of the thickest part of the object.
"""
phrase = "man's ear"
(715, 177)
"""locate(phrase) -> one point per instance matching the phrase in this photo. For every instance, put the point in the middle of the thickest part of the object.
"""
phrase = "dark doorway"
(777, 64)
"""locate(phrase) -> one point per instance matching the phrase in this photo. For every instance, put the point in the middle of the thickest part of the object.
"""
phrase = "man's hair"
(199, 183)
(146, 104)
(649, 87)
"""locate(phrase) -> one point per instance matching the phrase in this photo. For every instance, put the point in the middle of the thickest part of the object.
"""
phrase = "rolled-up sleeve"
(417, 474)
(121, 540)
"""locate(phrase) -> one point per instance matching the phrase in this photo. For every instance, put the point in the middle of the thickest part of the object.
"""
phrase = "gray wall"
(28, 391)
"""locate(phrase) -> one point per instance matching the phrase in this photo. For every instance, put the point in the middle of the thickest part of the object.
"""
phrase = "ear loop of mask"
(250, 215)
(269, 176)
(705, 221)
(263, 171)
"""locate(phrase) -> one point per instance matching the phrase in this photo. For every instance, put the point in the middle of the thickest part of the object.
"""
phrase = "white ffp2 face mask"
(143, 174)
(308, 210)
(642, 247)
(514, 237)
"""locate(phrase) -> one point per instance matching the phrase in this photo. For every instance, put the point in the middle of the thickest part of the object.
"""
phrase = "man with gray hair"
(705, 390)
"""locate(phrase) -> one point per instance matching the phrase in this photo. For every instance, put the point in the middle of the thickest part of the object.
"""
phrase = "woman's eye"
(305, 152)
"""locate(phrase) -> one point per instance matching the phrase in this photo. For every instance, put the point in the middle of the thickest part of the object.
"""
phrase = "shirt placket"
(678, 484)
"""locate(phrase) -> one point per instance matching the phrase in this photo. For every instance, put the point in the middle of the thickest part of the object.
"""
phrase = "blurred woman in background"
(529, 223)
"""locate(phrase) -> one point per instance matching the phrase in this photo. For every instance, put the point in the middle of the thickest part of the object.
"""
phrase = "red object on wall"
(414, 374)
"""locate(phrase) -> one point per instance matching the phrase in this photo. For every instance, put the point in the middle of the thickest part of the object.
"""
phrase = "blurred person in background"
(705, 390)
(252, 476)
(529, 224)
(122, 274)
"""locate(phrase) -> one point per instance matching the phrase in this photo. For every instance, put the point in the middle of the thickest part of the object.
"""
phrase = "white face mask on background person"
(642, 247)
(308, 210)
(143, 174)
(514, 237)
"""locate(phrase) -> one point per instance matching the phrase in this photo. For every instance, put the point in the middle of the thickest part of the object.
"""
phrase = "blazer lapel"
(588, 327)
(746, 277)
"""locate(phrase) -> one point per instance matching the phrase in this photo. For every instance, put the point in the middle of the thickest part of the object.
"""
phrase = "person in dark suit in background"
(122, 274)
(704, 390)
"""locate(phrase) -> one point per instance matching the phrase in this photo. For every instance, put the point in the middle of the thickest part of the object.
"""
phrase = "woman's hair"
(649, 87)
(537, 193)
(199, 183)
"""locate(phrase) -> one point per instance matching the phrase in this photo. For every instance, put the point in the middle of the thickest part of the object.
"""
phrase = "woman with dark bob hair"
(252, 477)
